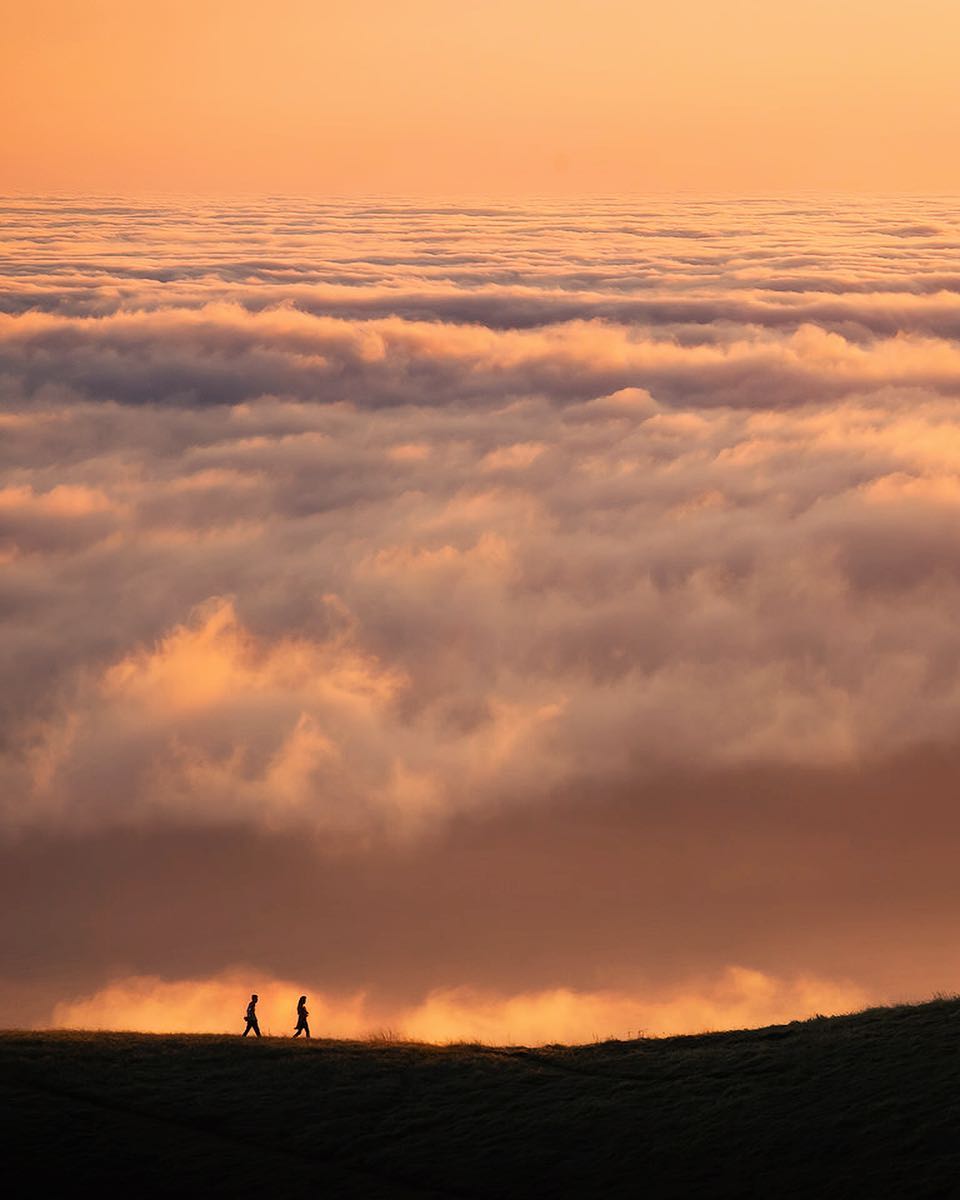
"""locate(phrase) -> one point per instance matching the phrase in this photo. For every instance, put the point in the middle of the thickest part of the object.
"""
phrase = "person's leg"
(247, 1030)
(306, 1029)
(296, 1032)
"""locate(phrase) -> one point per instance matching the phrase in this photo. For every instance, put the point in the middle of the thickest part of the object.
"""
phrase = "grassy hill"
(860, 1106)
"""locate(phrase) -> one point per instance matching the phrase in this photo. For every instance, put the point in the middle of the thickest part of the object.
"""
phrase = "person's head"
(302, 1000)
(254, 997)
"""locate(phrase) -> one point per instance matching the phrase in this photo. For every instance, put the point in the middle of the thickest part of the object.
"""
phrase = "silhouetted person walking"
(252, 1017)
(302, 1014)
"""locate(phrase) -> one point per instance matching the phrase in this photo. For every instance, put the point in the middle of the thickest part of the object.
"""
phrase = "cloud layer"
(738, 999)
(354, 522)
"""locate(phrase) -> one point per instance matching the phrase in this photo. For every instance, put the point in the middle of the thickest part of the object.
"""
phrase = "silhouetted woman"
(252, 1022)
(302, 1014)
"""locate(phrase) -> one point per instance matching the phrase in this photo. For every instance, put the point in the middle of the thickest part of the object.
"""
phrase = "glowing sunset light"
(737, 998)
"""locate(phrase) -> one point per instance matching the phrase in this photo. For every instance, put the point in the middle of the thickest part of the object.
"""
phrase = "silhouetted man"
(302, 1014)
(252, 1017)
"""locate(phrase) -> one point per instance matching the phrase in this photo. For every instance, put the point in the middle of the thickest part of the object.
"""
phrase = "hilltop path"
(858, 1106)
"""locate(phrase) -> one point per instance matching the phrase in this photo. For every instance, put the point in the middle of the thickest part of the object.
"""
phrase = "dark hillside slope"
(859, 1106)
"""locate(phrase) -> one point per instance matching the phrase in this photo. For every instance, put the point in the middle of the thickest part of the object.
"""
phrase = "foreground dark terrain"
(866, 1105)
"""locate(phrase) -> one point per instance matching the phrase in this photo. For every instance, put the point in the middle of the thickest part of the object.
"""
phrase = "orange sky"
(493, 97)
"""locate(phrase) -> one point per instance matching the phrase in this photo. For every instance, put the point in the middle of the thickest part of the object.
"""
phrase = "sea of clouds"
(355, 518)
(355, 515)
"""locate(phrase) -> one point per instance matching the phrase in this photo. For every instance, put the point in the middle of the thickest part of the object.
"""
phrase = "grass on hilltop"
(857, 1106)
